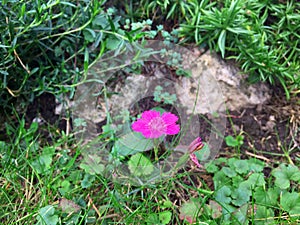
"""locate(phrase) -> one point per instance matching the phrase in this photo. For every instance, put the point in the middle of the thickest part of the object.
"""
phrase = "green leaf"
(152, 219)
(256, 165)
(229, 172)
(33, 128)
(43, 163)
(290, 202)
(240, 196)
(231, 141)
(182, 161)
(89, 35)
(241, 214)
(211, 167)
(241, 166)
(167, 204)
(223, 194)
(140, 165)
(165, 217)
(65, 187)
(237, 180)
(284, 174)
(221, 42)
(256, 179)
(189, 210)
(264, 215)
(92, 165)
(266, 197)
(87, 181)
(204, 153)
(132, 143)
(220, 179)
(113, 43)
(46, 216)
(239, 30)
(101, 20)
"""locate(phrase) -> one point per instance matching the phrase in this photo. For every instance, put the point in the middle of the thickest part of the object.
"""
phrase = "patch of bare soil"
(269, 130)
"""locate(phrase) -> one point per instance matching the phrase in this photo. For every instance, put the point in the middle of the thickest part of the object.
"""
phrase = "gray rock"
(214, 78)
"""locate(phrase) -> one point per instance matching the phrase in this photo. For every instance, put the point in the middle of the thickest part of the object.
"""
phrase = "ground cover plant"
(48, 48)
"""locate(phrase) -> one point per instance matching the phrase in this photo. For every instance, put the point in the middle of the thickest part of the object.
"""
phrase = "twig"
(258, 156)
(94, 207)
(20, 61)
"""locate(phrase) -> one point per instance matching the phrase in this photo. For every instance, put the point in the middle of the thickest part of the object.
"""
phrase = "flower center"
(157, 124)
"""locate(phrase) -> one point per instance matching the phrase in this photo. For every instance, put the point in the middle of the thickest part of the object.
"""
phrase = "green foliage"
(92, 165)
(240, 184)
(160, 96)
(46, 46)
(262, 36)
(285, 174)
(161, 218)
(47, 216)
(190, 210)
(290, 202)
(140, 165)
(43, 163)
(234, 142)
(242, 193)
(132, 143)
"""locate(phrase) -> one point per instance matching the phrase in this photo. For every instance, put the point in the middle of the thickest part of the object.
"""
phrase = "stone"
(214, 79)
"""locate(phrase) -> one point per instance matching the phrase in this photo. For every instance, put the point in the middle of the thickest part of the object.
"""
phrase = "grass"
(49, 185)
(49, 46)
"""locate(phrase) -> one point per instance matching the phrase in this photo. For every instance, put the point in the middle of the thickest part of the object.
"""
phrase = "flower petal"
(146, 133)
(169, 118)
(140, 125)
(172, 129)
(156, 134)
(195, 144)
(150, 114)
(195, 160)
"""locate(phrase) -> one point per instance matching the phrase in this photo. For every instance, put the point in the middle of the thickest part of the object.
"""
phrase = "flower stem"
(156, 153)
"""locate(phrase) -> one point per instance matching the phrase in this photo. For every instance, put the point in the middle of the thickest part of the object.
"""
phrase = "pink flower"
(153, 125)
(193, 157)
(196, 145)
